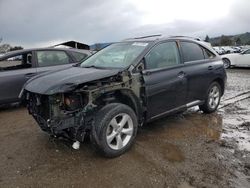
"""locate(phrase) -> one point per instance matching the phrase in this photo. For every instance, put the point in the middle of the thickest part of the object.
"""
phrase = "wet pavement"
(182, 151)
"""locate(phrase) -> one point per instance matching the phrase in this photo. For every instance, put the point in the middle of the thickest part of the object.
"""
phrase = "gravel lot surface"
(182, 151)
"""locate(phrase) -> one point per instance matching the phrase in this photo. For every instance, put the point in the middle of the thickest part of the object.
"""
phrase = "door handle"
(210, 67)
(181, 74)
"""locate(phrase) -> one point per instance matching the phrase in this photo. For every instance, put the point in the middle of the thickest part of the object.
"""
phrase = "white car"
(219, 50)
(237, 59)
(228, 49)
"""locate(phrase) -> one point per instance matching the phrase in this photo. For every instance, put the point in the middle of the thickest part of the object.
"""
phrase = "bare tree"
(5, 48)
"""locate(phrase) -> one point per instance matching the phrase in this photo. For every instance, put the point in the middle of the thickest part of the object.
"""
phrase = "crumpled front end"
(58, 115)
(71, 113)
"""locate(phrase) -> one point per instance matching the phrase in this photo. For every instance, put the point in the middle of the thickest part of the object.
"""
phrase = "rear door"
(199, 68)
(15, 70)
(164, 78)
(49, 60)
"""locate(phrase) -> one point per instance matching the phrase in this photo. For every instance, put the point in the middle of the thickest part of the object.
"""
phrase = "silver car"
(18, 66)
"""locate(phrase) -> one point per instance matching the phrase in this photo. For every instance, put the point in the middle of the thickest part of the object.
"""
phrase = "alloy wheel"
(214, 97)
(119, 131)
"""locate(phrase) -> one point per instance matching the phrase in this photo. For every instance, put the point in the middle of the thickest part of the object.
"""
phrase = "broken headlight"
(73, 102)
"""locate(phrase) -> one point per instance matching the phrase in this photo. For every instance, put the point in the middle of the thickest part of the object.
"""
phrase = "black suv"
(124, 86)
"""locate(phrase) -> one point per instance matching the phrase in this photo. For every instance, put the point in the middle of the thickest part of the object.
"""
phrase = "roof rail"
(143, 37)
(148, 36)
(195, 38)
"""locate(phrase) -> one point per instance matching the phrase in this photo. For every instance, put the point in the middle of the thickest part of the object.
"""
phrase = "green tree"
(207, 39)
(16, 48)
(7, 47)
(248, 42)
(225, 41)
(238, 41)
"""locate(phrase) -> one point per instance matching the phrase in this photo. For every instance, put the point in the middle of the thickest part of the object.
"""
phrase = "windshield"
(119, 55)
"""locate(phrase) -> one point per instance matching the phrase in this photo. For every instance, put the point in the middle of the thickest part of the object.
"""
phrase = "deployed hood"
(66, 79)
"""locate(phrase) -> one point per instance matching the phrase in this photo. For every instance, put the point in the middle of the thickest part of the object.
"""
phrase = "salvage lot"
(185, 150)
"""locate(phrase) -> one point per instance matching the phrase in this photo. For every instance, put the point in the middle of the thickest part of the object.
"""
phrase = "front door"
(165, 80)
(244, 59)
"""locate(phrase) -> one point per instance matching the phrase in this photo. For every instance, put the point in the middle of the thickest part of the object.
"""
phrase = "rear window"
(52, 58)
(191, 51)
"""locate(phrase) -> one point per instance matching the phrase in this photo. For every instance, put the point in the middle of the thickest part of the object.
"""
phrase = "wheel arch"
(221, 83)
(227, 59)
(232, 59)
(124, 96)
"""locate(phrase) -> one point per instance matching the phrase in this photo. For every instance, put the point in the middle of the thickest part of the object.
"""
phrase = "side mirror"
(141, 66)
(29, 59)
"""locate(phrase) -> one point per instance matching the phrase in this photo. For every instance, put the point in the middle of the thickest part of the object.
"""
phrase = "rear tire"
(212, 99)
(114, 129)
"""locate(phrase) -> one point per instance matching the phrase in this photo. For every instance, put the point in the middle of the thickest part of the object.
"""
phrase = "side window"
(163, 55)
(79, 56)
(51, 58)
(208, 54)
(22, 61)
(191, 51)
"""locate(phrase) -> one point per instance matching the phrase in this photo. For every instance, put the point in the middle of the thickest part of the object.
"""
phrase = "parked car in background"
(237, 49)
(219, 50)
(18, 66)
(228, 49)
(237, 59)
(124, 86)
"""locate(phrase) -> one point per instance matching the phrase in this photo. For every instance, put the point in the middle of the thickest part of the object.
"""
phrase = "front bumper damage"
(49, 113)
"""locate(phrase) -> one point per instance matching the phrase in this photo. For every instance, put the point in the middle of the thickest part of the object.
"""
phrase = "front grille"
(49, 113)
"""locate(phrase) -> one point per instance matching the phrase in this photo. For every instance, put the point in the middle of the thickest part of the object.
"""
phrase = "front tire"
(114, 130)
(212, 99)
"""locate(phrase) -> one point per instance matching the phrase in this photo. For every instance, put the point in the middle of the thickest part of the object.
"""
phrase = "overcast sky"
(34, 23)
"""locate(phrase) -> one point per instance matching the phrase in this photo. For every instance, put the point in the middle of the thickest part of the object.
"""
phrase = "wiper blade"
(92, 66)
(76, 65)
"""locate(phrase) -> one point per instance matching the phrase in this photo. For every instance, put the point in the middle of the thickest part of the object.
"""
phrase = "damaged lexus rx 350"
(124, 86)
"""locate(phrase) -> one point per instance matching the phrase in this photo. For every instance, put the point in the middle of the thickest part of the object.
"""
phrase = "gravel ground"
(183, 151)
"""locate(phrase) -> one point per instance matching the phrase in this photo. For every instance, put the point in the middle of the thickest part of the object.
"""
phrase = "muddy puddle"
(237, 123)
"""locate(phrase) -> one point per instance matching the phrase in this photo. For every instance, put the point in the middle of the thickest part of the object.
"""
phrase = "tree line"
(226, 41)
(7, 47)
